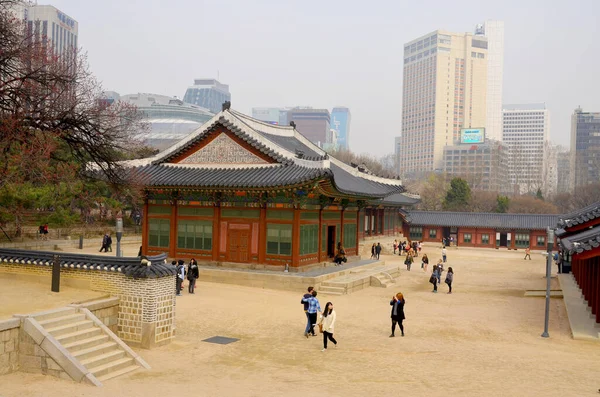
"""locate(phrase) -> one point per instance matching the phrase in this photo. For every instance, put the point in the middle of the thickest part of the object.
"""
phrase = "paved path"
(582, 325)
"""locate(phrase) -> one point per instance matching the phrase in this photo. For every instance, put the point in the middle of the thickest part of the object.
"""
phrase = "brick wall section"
(107, 311)
(146, 315)
(9, 346)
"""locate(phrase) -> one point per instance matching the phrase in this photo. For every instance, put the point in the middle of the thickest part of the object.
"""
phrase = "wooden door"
(238, 243)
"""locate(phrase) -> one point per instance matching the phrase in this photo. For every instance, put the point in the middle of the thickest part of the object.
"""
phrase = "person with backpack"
(397, 304)
(304, 302)
(340, 257)
(109, 243)
(440, 269)
(104, 243)
(180, 276)
(193, 273)
(449, 279)
(313, 308)
(326, 324)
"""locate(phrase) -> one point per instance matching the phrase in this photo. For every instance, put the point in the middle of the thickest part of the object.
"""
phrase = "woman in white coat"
(326, 323)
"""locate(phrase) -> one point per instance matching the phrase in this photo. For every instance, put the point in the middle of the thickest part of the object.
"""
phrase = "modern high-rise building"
(397, 153)
(268, 115)
(340, 122)
(444, 91)
(482, 165)
(550, 170)
(494, 31)
(585, 148)
(208, 93)
(563, 171)
(46, 22)
(314, 124)
(525, 130)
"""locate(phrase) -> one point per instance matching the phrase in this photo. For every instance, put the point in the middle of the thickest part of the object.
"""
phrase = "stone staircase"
(381, 275)
(86, 343)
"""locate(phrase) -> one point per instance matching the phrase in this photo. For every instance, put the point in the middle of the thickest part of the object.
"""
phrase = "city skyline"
(269, 62)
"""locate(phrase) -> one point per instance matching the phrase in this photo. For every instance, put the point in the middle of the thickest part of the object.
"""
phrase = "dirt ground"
(483, 340)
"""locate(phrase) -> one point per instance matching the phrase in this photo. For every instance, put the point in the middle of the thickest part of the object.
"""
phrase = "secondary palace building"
(241, 190)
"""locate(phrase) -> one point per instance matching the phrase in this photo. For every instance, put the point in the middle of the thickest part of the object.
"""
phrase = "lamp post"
(119, 230)
(550, 245)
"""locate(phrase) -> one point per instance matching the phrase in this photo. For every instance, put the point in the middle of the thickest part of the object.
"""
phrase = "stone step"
(70, 328)
(104, 358)
(85, 343)
(329, 290)
(120, 372)
(78, 335)
(112, 366)
(54, 313)
(96, 350)
(56, 321)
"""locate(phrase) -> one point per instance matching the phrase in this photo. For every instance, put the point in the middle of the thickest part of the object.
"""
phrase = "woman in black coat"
(397, 304)
(193, 273)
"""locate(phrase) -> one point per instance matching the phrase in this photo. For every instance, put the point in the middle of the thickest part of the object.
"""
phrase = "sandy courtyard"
(483, 340)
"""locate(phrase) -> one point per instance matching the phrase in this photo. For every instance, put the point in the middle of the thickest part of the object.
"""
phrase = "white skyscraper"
(48, 23)
(494, 31)
(526, 131)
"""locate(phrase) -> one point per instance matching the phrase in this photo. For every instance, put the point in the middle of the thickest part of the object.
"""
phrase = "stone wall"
(9, 346)
(33, 359)
(146, 315)
(107, 311)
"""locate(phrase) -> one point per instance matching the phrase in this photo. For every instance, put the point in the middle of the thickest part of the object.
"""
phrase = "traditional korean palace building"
(241, 190)
(475, 229)
(579, 246)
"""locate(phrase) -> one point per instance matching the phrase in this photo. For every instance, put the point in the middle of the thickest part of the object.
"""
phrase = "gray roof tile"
(586, 240)
(491, 220)
(579, 217)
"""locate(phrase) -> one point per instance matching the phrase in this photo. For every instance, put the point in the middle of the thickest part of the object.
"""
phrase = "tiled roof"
(297, 160)
(475, 219)
(251, 177)
(401, 199)
(583, 241)
(133, 267)
(579, 217)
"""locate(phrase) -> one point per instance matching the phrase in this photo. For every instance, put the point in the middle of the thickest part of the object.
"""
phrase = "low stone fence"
(145, 290)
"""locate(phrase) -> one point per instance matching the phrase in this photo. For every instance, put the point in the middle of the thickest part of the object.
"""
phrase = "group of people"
(375, 251)
(326, 320)
(106, 243)
(437, 272)
(43, 231)
(409, 248)
(192, 274)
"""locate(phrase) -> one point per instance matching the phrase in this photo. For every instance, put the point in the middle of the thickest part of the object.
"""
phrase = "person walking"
(373, 251)
(397, 304)
(304, 302)
(527, 253)
(440, 269)
(378, 250)
(104, 243)
(434, 278)
(449, 279)
(109, 243)
(408, 261)
(424, 262)
(395, 246)
(326, 324)
(444, 253)
(180, 276)
(193, 273)
(313, 308)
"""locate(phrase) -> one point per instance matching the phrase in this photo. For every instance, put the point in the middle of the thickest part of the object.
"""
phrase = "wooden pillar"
(173, 231)
(320, 234)
(342, 228)
(145, 228)
(296, 238)
(596, 261)
(594, 289)
(262, 235)
(217, 232)
(357, 231)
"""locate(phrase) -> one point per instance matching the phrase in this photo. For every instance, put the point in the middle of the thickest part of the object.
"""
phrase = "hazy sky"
(336, 52)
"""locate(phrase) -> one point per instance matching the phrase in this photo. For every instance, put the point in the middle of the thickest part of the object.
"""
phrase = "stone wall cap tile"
(10, 324)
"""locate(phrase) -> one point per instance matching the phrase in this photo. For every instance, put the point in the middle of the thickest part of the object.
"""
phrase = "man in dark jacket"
(193, 273)
(306, 296)
(377, 250)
